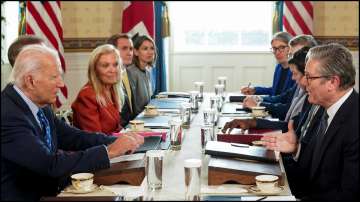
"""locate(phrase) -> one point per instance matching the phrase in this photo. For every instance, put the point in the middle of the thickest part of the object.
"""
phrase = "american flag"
(298, 17)
(43, 18)
(138, 18)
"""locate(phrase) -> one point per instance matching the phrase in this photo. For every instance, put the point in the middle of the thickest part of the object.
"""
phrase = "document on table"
(130, 157)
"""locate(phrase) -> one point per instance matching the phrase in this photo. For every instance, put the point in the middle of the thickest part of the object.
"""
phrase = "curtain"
(278, 17)
(162, 34)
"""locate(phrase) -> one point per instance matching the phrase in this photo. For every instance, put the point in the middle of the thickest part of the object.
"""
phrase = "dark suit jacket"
(28, 169)
(336, 174)
(288, 83)
(278, 105)
(283, 125)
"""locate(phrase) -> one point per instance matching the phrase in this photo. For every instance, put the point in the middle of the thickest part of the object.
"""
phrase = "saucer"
(151, 115)
(143, 130)
(276, 191)
(260, 115)
(71, 189)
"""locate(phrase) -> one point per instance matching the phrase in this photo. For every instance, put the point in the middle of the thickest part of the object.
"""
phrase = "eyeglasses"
(280, 48)
(309, 78)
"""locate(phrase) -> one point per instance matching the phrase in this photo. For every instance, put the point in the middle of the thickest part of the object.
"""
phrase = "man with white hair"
(327, 163)
(38, 151)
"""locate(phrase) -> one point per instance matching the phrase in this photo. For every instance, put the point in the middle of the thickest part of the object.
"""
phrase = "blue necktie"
(45, 128)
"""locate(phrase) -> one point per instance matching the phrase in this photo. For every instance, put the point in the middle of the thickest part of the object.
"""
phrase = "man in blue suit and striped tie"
(38, 151)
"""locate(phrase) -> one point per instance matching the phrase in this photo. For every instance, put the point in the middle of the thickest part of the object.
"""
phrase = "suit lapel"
(332, 130)
(23, 106)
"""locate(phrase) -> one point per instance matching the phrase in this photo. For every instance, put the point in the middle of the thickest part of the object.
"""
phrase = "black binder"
(150, 143)
(241, 151)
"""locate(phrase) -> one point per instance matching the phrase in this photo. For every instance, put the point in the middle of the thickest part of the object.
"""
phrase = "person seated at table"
(97, 105)
(139, 72)
(19, 43)
(297, 64)
(282, 75)
(125, 46)
(39, 151)
(278, 106)
(326, 165)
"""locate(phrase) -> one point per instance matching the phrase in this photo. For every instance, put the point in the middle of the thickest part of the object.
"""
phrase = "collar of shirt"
(331, 111)
(33, 107)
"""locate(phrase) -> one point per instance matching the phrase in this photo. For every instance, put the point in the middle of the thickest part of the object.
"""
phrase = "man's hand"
(249, 102)
(125, 143)
(247, 90)
(283, 142)
(239, 123)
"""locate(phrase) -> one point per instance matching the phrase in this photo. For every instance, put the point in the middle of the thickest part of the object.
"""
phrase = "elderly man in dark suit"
(38, 151)
(328, 167)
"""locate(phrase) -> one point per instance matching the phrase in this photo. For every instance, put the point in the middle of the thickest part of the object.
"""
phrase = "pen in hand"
(249, 85)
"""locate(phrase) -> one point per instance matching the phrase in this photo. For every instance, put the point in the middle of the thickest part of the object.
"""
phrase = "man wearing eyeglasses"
(327, 168)
(282, 75)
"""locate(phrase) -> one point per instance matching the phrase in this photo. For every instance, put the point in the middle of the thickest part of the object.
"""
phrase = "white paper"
(130, 157)
(268, 198)
(223, 189)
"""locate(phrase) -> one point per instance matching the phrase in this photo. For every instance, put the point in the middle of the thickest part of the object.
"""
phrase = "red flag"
(44, 20)
(298, 17)
(138, 18)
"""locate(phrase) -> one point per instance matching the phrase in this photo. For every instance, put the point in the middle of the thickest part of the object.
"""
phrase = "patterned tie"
(320, 136)
(45, 128)
(311, 115)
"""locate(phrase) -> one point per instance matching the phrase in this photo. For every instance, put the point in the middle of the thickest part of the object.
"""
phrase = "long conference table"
(173, 175)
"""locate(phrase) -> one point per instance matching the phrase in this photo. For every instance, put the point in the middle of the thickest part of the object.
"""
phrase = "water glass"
(175, 134)
(153, 169)
(192, 169)
(222, 80)
(194, 101)
(209, 116)
(185, 114)
(219, 89)
(207, 134)
(199, 85)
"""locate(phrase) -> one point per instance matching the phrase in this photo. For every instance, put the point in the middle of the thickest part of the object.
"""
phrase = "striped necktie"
(125, 80)
(320, 136)
(45, 128)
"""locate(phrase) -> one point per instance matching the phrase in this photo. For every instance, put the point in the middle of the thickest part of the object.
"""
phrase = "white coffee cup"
(258, 111)
(136, 125)
(82, 181)
(267, 183)
(151, 110)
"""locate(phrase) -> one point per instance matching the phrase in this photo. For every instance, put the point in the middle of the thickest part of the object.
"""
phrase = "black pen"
(249, 85)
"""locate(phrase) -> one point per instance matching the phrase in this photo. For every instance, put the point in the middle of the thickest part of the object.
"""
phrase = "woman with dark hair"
(139, 72)
(297, 65)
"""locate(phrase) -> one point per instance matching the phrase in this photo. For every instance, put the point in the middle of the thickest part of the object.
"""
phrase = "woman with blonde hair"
(97, 105)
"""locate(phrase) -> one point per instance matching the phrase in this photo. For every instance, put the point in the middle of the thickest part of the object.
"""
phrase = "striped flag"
(138, 18)
(43, 19)
(298, 17)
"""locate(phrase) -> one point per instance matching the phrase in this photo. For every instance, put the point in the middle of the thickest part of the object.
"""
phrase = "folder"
(240, 151)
